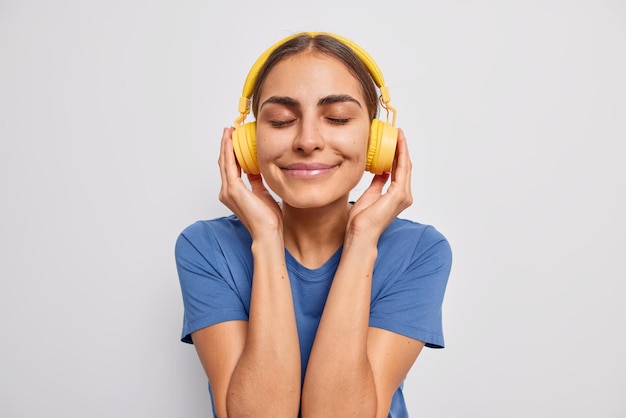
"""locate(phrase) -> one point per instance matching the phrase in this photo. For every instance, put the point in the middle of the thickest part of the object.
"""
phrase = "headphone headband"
(368, 61)
(382, 136)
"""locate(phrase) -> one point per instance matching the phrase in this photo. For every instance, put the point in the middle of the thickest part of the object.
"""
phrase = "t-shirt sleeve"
(411, 303)
(209, 296)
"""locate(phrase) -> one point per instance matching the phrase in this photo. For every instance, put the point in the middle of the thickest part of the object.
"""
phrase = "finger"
(375, 189)
(379, 180)
(400, 187)
(230, 172)
(228, 151)
(402, 163)
(225, 147)
(256, 182)
(230, 166)
(402, 152)
(223, 151)
(223, 164)
(232, 153)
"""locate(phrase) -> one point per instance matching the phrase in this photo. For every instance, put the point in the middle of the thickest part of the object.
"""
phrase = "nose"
(309, 136)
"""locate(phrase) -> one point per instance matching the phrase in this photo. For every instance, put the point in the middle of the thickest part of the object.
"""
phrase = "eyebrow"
(337, 98)
(283, 100)
(324, 101)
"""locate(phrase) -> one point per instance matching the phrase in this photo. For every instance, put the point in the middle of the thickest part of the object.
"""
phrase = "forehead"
(310, 74)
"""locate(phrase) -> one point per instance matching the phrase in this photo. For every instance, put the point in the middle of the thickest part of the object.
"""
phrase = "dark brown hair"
(325, 45)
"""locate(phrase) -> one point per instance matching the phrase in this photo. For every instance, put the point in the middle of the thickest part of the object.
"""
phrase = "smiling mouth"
(310, 170)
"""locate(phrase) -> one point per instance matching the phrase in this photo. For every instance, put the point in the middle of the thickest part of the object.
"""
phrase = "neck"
(312, 236)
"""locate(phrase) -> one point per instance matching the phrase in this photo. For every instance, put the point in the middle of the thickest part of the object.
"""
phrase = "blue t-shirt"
(214, 262)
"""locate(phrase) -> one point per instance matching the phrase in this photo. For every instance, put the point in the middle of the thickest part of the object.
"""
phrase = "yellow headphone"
(383, 135)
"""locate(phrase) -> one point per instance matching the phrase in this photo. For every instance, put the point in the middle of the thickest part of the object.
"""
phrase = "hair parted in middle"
(323, 45)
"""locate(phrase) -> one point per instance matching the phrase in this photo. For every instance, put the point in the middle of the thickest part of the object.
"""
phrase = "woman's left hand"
(375, 210)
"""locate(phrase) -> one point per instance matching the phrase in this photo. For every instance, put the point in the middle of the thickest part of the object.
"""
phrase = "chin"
(315, 193)
(313, 200)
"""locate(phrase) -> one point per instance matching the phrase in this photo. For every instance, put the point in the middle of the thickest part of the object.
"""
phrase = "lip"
(309, 170)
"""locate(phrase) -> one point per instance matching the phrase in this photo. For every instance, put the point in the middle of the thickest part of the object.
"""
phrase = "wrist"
(269, 240)
(361, 237)
(365, 245)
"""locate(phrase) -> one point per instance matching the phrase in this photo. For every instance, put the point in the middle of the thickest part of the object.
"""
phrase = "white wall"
(110, 117)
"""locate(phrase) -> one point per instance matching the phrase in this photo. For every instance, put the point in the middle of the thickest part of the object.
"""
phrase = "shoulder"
(407, 245)
(217, 226)
(405, 235)
(215, 229)
(410, 279)
(213, 235)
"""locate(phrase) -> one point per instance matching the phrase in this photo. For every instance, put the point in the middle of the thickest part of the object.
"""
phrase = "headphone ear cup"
(244, 143)
(381, 150)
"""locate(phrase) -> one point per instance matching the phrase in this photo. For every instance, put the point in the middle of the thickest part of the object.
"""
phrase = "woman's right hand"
(255, 207)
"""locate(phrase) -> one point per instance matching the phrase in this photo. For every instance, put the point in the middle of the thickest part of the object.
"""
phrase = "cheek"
(360, 145)
(268, 148)
(352, 143)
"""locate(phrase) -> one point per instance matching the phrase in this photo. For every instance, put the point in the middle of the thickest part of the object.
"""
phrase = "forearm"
(339, 380)
(266, 380)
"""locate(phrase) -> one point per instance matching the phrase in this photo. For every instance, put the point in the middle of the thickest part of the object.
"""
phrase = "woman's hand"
(375, 210)
(254, 365)
(353, 370)
(256, 208)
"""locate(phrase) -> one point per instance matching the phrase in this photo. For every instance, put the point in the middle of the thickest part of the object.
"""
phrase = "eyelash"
(281, 123)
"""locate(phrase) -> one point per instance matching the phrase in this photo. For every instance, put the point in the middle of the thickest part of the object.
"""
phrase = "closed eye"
(338, 121)
(281, 123)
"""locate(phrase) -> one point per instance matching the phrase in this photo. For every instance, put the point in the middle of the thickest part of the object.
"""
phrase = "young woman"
(313, 305)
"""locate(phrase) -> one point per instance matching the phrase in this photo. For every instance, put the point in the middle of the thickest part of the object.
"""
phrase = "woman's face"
(312, 130)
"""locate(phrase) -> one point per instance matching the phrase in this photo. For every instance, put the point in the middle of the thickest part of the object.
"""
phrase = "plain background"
(110, 118)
